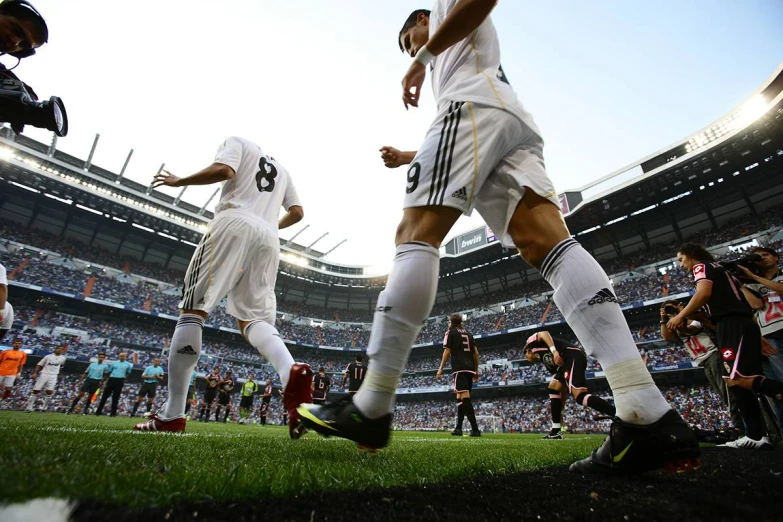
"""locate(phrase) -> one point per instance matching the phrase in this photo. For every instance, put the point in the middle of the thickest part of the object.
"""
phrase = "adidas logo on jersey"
(603, 296)
(461, 194)
(187, 350)
(201, 301)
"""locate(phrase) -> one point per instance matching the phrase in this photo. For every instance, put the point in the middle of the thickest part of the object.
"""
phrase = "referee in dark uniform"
(118, 372)
(459, 346)
(731, 307)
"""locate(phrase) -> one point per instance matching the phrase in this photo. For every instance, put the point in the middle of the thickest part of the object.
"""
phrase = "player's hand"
(475, 377)
(439, 375)
(411, 84)
(164, 177)
(391, 157)
(746, 272)
(558, 359)
(767, 349)
(675, 322)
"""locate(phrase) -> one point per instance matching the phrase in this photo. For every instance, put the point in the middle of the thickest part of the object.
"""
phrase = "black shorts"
(90, 385)
(210, 395)
(319, 401)
(739, 343)
(148, 390)
(572, 374)
(224, 399)
(246, 402)
(264, 406)
(463, 380)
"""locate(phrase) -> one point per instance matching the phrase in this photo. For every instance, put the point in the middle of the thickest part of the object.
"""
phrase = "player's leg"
(577, 384)
(228, 413)
(555, 389)
(253, 303)
(217, 410)
(47, 399)
(107, 390)
(460, 409)
(37, 387)
(140, 397)
(518, 201)
(115, 397)
(75, 401)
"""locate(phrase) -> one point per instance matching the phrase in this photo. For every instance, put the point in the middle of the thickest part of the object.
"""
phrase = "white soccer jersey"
(3, 276)
(469, 71)
(51, 364)
(699, 345)
(261, 185)
(770, 317)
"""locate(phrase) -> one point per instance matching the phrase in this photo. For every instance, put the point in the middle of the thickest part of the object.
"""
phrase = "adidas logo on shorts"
(461, 194)
(603, 296)
(187, 350)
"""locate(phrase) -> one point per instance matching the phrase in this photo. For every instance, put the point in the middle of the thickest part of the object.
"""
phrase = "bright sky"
(316, 84)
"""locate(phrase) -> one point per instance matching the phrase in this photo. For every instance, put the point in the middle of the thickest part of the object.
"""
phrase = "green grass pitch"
(76, 457)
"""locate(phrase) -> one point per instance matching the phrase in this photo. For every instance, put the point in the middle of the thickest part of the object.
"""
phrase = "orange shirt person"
(11, 363)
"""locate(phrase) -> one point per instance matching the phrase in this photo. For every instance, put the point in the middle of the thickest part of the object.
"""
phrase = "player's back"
(260, 186)
(469, 71)
(356, 372)
(460, 344)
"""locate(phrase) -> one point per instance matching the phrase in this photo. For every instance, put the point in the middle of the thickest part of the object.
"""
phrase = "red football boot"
(298, 391)
(155, 423)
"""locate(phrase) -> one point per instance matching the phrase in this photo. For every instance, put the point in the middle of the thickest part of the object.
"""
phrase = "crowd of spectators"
(143, 295)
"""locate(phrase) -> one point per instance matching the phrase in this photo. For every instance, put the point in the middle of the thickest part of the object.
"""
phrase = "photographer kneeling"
(731, 307)
(696, 335)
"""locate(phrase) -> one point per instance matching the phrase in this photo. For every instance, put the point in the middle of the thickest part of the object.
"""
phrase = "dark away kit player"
(354, 374)
(321, 384)
(238, 257)
(567, 364)
(731, 307)
(210, 394)
(266, 398)
(458, 346)
(485, 152)
(225, 388)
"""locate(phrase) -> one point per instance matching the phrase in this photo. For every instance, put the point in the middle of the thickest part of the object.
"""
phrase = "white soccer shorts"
(45, 382)
(478, 157)
(238, 257)
(8, 317)
(7, 380)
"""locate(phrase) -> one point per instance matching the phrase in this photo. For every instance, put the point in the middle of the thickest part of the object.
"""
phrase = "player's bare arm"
(446, 355)
(699, 299)
(753, 300)
(3, 298)
(546, 337)
(215, 173)
(393, 158)
(292, 217)
(345, 379)
(465, 18)
(475, 363)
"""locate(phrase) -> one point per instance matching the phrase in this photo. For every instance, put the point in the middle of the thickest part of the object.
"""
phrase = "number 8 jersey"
(260, 186)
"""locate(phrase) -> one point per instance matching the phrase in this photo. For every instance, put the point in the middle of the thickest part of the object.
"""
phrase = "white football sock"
(585, 297)
(402, 308)
(267, 341)
(31, 401)
(184, 351)
(47, 400)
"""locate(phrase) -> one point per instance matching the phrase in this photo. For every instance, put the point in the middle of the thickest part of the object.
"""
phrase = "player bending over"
(485, 152)
(458, 346)
(238, 256)
(567, 364)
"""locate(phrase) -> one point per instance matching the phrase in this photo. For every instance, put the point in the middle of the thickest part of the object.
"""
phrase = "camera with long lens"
(671, 310)
(19, 108)
(749, 261)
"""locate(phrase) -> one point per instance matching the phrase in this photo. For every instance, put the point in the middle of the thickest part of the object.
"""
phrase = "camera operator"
(731, 307)
(22, 29)
(696, 335)
(766, 282)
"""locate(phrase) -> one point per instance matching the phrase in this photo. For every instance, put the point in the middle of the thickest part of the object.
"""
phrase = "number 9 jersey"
(260, 186)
